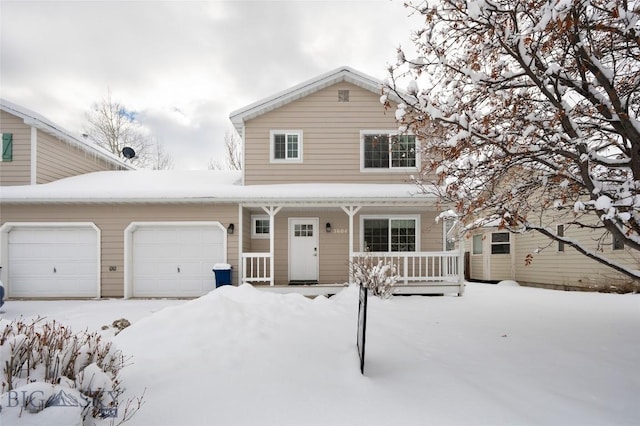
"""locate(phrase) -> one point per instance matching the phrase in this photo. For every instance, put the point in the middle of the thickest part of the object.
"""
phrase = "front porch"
(332, 235)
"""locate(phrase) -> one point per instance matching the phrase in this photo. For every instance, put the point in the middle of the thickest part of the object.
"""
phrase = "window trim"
(272, 158)
(390, 217)
(501, 243)
(254, 234)
(389, 169)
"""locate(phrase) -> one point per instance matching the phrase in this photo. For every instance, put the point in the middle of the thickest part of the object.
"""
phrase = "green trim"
(7, 147)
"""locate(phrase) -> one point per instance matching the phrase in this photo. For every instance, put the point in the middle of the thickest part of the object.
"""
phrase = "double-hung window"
(388, 234)
(500, 243)
(286, 146)
(388, 151)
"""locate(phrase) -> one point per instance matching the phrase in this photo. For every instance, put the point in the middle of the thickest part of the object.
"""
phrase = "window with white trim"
(389, 234)
(477, 243)
(388, 151)
(500, 243)
(260, 226)
(286, 146)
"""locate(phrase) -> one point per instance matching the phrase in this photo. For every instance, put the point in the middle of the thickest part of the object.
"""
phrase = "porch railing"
(419, 266)
(411, 266)
(256, 267)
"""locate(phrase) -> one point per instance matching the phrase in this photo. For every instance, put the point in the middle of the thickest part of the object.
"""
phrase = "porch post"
(272, 212)
(461, 263)
(351, 212)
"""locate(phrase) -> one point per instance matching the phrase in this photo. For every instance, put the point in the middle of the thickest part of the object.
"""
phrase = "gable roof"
(240, 116)
(38, 121)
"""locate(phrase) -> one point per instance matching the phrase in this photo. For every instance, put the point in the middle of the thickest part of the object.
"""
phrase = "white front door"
(303, 249)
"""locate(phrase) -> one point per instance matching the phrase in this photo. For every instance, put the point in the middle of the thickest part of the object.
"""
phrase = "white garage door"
(53, 262)
(176, 261)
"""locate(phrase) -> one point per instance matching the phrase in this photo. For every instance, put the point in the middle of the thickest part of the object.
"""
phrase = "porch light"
(230, 228)
(328, 227)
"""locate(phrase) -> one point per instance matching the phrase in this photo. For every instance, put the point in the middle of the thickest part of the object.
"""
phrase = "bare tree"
(160, 160)
(114, 127)
(528, 113)
(232, 152)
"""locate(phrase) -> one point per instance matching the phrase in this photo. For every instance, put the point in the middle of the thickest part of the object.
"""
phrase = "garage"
(175, 260)
(53, 261)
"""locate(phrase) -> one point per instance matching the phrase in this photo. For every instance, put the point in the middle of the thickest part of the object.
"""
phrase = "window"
(7, 147)
(390, 234)
(618, 243)
(560, 233)
(500, 243)
(303, 230)
(286, 146)
(343, 96)
(259, 227)
(387, 151)
(477, 244)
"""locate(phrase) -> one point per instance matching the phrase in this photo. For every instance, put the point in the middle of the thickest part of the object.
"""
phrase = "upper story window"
(343, 96)
(7, 147)
(389, 234)
(618, 243)
(286, 146)
(260, 226)
(388, 151)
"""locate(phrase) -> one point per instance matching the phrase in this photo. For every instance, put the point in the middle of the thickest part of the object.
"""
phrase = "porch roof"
(199, 186)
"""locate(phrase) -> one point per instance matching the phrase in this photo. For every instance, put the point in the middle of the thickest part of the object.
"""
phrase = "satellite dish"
(128, 152)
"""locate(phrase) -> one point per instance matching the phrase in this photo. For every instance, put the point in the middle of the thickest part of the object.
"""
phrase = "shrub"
(377, 276)
(79, 370)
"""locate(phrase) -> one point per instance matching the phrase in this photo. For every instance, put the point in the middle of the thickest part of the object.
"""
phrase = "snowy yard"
(498, 355)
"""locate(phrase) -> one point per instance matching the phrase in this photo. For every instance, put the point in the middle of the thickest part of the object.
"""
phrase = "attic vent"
(343, 96)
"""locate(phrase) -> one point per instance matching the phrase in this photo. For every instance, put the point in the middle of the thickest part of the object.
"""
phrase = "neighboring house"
(325, 180)
(533, 259)
(35, 150)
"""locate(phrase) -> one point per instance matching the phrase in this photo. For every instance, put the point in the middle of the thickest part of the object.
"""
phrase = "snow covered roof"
(238, 117)
(36, 120)
(189, 186)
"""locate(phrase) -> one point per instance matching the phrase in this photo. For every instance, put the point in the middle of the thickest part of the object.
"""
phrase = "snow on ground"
(498, 355)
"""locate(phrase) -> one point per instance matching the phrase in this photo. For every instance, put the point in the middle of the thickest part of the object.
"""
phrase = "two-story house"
(325, 180)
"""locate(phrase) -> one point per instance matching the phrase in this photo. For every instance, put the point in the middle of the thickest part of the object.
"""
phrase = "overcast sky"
(183, 66)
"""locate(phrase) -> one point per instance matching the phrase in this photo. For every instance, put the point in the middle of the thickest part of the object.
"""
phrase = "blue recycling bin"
(222, 272)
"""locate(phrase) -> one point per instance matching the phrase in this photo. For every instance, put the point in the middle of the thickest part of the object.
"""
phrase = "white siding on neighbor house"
(569, 268)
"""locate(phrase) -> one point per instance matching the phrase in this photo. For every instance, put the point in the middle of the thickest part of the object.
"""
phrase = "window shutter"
(7, 147)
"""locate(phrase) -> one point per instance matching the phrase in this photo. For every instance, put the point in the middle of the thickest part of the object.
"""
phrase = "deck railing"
(412, 267)
(418, 266)
(256, 267)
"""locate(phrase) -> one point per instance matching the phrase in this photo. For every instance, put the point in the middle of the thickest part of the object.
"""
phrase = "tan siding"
(18, 171)
(58, 159)
(501, 267)
(569, 268)
(331, 139)
(112, 221)
(477, 267)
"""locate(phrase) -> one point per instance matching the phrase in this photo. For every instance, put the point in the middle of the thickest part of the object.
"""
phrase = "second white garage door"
(176, 261)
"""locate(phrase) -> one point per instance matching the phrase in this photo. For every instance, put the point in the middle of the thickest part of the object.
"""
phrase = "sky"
(184, 66)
